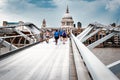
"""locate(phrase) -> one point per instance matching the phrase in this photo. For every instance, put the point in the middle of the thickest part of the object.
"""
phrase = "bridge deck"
(40, 62)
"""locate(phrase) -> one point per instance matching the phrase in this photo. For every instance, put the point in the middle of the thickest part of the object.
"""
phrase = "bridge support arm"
(8, 45)
(93, 33)
(84, 33)
(25, 36)
(96, 43)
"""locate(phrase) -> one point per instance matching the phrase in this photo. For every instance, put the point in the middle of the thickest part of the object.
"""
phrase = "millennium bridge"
(29, 59)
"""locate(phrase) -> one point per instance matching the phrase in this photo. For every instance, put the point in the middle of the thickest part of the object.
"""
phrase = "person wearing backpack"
(56, 36)
(64, 35)
(61, 33)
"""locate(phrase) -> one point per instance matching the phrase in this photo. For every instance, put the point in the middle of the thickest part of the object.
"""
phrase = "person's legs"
(61, 38)
(64, 39)
(47, 39)
(56, 40)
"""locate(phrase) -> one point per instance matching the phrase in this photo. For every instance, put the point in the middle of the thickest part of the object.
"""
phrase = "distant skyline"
(84, 11)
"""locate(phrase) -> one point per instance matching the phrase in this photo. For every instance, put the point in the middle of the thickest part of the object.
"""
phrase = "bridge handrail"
(19, 36)
(96, 68)
(108, 27)
(82, 72)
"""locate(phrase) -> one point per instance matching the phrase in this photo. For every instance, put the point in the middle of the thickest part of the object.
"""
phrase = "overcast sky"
(85, 11)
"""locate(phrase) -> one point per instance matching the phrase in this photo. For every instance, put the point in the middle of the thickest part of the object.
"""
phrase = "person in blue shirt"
(56, 36)
(61, 33)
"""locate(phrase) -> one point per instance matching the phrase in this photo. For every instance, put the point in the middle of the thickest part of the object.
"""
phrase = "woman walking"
(64, 37)
(47, 34)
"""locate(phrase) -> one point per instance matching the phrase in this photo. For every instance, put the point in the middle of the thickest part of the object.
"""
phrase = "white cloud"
(113, 5)
(2, 2)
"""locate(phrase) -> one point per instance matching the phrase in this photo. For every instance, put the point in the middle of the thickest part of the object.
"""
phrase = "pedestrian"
(61, 32)
(56, 36)
(47, 34)
(68, 34)
(41, 36)
(64, 36)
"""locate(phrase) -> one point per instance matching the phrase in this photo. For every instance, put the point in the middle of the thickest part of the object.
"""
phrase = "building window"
(68, 23)
(63, 23)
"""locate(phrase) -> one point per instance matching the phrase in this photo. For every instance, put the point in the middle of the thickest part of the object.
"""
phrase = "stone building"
(67, 20)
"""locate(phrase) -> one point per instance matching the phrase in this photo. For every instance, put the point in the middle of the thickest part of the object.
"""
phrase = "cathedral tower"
(43, 23)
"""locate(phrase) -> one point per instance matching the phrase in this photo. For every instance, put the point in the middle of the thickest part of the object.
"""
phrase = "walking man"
(56, 36)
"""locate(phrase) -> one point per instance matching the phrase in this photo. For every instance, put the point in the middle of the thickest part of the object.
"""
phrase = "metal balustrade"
(90, 35)
(108, 27)
(85, 32)
(96, 68)
(94, 44)
(10, 44)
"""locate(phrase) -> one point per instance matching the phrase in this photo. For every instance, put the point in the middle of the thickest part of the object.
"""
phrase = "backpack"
(56, 34)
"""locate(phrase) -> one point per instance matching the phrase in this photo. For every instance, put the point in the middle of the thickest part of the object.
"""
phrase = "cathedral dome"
(67, 15)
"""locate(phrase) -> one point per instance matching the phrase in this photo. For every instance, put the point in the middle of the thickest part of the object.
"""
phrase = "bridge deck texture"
(40, 62)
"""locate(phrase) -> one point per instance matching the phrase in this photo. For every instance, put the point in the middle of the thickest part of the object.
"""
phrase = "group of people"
(60, 34)
(57, 34)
